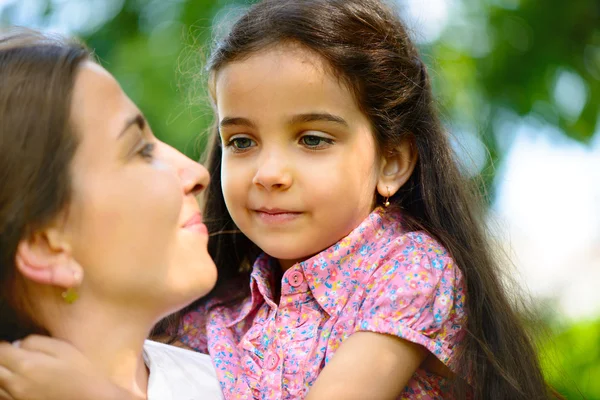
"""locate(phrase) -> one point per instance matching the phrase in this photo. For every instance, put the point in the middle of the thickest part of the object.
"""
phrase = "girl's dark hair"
(369, 49)
(37, 144)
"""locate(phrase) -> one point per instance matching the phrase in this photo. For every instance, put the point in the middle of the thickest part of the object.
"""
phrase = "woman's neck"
(111, 338)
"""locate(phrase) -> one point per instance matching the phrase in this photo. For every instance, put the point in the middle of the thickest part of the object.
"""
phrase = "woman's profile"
(101, 234)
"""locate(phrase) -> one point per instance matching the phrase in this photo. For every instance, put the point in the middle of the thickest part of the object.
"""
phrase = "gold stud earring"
(70, 295)
(387, 199)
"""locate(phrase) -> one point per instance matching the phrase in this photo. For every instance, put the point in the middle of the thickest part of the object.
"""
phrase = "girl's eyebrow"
(312, 117)
(296, 119)
(236, 121)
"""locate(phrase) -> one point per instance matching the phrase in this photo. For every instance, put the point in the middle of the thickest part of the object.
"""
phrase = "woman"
(101, 234)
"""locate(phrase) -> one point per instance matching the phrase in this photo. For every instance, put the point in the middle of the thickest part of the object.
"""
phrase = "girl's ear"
(45, 258)
(396, 167)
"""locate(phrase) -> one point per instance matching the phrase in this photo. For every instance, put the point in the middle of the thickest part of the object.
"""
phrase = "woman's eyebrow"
(137, 120)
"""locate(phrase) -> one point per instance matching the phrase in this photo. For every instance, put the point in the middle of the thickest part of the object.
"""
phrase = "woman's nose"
(194, 176)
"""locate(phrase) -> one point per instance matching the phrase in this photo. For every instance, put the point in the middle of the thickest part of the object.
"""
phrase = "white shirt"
(179, 374)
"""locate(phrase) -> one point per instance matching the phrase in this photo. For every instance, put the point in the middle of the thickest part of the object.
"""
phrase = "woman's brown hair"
(37, 144)
(369, 49)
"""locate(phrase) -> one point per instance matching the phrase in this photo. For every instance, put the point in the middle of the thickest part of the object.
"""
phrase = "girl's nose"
(273, 173)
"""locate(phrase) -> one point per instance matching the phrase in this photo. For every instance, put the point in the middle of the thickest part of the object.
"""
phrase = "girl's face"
(299, 166)
(133, 223)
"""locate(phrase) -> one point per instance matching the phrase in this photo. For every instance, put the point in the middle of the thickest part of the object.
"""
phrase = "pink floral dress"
(379, 278)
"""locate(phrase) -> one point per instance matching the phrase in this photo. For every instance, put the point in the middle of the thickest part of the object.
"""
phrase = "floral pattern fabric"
(379, 278)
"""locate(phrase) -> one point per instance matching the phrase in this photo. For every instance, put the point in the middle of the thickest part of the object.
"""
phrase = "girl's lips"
(276, 216)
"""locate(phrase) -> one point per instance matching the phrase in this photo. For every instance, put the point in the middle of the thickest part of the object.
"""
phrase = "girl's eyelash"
(231, 143)
(242, 143)
(328, 141)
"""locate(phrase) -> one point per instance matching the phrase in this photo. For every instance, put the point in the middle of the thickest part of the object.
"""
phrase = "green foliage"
(501, 59)
(571, 360)
(157, 58)
(535, 42)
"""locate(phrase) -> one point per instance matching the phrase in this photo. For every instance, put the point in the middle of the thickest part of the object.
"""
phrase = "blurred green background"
(503, 70)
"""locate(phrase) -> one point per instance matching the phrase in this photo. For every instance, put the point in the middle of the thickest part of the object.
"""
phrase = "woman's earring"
(386, 203)
(70, 295)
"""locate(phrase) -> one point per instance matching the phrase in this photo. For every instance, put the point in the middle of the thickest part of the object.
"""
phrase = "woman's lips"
(195, 224)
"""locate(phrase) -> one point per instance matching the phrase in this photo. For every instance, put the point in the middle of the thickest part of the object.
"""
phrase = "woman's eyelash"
(147, 151)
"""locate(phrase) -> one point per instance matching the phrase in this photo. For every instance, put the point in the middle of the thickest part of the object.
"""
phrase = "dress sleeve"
(416, 293)
(192, 331)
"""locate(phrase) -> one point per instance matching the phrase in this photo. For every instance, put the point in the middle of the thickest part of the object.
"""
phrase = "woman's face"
(134, 223)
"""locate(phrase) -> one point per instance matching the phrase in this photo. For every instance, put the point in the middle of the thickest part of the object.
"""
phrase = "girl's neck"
(287, 264)
(111, 338)
(276, 283)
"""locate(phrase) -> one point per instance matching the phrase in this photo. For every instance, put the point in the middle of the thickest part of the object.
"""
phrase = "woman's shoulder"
(177, 373)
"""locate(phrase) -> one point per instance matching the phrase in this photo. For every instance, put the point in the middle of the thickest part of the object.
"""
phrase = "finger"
(10, 356)
(47, 345)
(5, 377)
(4, 395)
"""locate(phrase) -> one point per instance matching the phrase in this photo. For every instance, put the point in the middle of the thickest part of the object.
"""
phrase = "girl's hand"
(44, 368)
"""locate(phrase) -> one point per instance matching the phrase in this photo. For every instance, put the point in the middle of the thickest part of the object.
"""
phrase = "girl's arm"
(50, 369)
(368, 365)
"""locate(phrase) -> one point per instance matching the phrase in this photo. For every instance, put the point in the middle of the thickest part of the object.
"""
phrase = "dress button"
(296, 278)
(272, 361)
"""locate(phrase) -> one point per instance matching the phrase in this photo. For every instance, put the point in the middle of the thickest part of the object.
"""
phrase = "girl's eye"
(147, 151)
(241, 143)
(315, 142)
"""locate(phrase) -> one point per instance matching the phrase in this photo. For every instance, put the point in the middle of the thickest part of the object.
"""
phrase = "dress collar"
(334, 273)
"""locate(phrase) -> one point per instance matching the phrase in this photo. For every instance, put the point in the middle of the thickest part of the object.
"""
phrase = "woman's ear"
(396, 167)
(45, 258)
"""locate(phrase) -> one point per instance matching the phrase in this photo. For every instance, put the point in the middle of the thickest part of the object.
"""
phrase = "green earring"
(387, 199)
(70, 295)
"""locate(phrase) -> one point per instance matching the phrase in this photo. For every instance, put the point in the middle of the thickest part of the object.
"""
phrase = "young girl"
(352, 257)
(368, 267)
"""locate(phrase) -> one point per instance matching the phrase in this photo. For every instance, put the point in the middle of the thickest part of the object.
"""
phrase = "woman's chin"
(194, 287)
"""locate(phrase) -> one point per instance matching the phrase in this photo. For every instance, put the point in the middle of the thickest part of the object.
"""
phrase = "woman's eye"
(147, 151)
(315, 141)
(241, 143)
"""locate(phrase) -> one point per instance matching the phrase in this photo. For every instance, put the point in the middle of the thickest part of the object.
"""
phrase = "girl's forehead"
(285, 74)
(279, 56)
